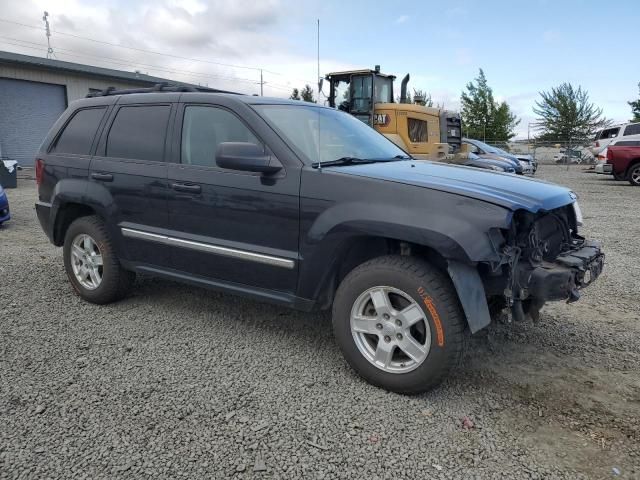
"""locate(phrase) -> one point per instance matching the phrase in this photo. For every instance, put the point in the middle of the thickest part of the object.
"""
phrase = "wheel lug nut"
(399, 336)
(385, 316)
(387, 338)
(379, 326)
(399, 323)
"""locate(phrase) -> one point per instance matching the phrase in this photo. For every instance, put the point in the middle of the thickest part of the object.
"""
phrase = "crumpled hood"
(507, 190)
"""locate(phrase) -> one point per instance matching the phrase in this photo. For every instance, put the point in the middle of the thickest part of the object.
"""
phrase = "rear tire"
(634, 175)
(408, 343)
(91, 263)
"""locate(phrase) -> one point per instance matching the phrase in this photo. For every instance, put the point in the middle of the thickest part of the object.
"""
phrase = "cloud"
(219, 32)
(402, 19)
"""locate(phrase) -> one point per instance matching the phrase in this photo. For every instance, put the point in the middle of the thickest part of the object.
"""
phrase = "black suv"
(305, 206)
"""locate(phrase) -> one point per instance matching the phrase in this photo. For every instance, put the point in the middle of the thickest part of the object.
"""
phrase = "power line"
(134, 64)
(151, 51)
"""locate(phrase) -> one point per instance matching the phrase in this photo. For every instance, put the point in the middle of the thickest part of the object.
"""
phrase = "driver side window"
(204, 128)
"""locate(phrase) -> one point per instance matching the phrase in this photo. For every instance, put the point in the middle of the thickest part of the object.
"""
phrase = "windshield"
(325, 135)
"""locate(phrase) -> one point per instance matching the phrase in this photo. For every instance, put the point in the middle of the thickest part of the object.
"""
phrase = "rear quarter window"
(633, 129)
(77, 136)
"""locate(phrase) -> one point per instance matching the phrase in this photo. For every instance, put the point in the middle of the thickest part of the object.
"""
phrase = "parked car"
(525, 162)
(623, 161)
(529, 159)
(488, 152)
(5, 214)
(474, 160)
(250, 196)
(626, 131)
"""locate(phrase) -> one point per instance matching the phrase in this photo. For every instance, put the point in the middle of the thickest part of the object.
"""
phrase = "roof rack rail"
(158, 87)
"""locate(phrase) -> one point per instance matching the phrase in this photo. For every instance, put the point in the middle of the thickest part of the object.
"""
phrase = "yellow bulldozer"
(424, 132)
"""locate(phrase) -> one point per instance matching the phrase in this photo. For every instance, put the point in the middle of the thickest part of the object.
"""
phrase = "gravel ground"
(181, 382)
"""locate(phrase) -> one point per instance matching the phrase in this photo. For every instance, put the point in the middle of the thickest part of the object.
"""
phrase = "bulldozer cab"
(357, 92)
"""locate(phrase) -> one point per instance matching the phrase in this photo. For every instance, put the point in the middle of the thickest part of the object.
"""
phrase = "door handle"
(183, 187)
(103, 177)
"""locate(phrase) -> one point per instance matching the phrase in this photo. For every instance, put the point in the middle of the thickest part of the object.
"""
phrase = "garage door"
(27, 111)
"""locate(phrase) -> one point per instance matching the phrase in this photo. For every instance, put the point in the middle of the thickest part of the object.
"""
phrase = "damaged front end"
(544, 259)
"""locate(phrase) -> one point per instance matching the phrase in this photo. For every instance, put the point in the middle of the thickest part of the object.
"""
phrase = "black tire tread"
(114, 286)
(439, 284)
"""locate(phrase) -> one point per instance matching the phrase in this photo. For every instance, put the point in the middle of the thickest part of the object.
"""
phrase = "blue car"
(4, 206)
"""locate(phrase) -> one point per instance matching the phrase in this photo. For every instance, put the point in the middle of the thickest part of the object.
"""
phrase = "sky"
(524, 47)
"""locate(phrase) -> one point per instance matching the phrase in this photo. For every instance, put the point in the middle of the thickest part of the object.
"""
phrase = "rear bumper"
(566, 276)
(43, 211)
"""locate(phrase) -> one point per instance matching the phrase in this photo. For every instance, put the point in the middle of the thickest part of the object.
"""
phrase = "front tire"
(91, 263)
(399, 324)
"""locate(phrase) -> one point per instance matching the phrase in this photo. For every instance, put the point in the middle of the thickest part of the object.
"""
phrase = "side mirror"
(247, 157)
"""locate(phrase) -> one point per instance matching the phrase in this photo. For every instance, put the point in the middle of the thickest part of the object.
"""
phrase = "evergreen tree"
(307, 94)
(295, 94)
(483, 117)
(566, 114)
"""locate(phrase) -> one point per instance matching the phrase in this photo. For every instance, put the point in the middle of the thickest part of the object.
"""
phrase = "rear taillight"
(609, 155)
(39, 170)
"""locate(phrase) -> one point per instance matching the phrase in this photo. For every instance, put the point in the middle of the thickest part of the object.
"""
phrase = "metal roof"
(364, 71)
(51, 64)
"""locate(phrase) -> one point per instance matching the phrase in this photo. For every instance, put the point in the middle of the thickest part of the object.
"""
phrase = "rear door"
(130, 173)
(231, 226)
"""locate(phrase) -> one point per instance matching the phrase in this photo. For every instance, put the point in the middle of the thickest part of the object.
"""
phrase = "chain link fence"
(550, 152)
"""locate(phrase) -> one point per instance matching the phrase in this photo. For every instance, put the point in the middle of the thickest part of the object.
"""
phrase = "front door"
(235, 227)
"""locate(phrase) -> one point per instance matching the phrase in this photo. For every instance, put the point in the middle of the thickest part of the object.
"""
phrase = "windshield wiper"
(341, 161)
(352, 160)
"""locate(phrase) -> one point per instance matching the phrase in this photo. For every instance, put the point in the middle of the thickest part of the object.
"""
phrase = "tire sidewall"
(436, 311)
(635, 168)
(84, 226)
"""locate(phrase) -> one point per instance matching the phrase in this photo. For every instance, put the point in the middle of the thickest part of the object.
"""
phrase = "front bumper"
(566, 276)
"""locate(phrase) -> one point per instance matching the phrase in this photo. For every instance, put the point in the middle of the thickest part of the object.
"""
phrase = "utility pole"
(261, 84)
(48, 32)
(319, 80)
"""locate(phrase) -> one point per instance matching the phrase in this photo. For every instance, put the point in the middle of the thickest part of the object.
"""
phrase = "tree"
(482, 116)
(295, 94)
(421, 97)
(566, 114)
(635, 108)
(307, 94)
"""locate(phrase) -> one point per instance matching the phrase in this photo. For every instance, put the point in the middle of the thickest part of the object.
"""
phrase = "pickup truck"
(623, 161)
(305, 206)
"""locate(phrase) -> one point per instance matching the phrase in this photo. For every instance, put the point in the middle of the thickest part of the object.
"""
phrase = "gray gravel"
(181, 382)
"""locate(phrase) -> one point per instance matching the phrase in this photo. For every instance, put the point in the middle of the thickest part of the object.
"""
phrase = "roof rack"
(158, 87)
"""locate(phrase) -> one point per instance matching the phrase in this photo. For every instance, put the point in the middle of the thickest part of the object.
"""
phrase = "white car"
(630, 131)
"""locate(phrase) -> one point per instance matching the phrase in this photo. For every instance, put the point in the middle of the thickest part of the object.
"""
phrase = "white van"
(630, 131)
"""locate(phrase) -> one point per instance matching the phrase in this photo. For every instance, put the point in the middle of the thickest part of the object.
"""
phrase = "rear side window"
(633, 129)
(417, 130)
(204, 128)
(78, 135)
(609, 133)
(139, 132)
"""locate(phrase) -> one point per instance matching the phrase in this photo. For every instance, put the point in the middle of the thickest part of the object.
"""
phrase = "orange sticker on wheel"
(428, 302)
